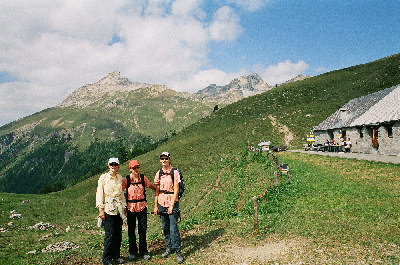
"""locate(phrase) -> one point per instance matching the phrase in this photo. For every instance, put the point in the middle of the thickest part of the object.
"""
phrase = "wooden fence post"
(276, 178)
(255, 201)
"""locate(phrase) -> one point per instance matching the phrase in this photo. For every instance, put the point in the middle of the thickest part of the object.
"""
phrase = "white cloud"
(250, 5)
(188, 8)
(281, 72)
(225, 26)
(55, 47)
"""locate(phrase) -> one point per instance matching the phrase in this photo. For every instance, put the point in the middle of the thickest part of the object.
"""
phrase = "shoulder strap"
(172, 176)
(144, 186)
(160, 173)
(128, 184)
(128, 180)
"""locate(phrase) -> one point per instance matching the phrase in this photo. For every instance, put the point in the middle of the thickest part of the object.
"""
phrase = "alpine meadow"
(331, 210)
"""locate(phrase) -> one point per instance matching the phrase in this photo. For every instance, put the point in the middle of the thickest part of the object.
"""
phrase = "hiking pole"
(165, 212)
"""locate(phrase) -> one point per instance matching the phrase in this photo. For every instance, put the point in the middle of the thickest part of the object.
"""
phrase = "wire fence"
(280, 170)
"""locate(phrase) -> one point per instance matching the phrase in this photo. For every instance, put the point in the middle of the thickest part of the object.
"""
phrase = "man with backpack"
(134, 186)
(166, 204)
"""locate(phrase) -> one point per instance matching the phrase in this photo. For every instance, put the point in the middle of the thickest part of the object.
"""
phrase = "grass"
(333, 211)
(327, 206)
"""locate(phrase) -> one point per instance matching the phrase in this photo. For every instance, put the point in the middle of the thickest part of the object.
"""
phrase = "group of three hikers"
(113, 208)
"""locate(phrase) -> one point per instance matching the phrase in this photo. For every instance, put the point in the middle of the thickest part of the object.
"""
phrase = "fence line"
(277, 173)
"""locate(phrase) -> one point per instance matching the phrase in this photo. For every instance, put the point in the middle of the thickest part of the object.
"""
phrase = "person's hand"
(170, 209)
(155, 210)
(102, 215)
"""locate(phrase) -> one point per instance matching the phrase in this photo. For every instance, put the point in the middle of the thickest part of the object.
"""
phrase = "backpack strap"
(161, 172)
(172, 176)
(128, 178)
(128, 184)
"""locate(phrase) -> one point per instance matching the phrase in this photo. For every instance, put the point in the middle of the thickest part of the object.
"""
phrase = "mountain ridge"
(237, 89)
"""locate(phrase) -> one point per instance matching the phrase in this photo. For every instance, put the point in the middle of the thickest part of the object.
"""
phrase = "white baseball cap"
(165, 154)
(113, 160)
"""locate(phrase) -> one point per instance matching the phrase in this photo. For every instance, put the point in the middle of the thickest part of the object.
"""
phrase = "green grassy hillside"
(43, 151)
(333, 211)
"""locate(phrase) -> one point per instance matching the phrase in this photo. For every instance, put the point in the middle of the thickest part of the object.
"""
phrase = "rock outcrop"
(236, 90)
(88, 94)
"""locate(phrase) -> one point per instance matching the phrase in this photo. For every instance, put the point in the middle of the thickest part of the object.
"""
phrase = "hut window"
(390, 131)
(360, 131)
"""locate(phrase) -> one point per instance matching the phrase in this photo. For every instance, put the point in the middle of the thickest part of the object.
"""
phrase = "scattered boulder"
(15, 215)
(26, 201)
(31, 252)
(60, 246)
(3, 230)
(41, 226)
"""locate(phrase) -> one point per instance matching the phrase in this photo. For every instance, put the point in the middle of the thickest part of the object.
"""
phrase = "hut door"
(375, 138)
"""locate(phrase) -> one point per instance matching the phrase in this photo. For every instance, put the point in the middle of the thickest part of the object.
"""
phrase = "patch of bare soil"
(283, 129)
(221, 246)
(240, 251)
(264, 253)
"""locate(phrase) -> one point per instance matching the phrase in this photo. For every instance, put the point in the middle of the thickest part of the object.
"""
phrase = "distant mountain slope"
(111, 117)
(297, 78)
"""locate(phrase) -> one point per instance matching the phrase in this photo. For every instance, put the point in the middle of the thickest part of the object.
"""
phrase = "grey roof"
(386, 110)
(378, 107)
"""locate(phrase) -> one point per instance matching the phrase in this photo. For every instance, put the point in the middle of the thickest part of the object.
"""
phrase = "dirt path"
(283, 129)
(214, 187)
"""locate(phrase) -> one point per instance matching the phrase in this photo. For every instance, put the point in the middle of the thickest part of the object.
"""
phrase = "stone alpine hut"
(372, 123)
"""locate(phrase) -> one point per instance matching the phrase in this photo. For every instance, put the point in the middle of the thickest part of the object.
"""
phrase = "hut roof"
(378, 107)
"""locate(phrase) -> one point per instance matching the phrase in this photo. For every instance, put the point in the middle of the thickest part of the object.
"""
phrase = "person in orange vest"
(166, 204)
(135, 185)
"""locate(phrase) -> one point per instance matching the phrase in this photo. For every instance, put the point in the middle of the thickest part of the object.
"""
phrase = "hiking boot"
(132, 257)
(166, 253)
(146, 257)
(119, 261)
(179, 257)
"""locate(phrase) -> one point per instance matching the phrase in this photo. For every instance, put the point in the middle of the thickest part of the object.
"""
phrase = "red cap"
(133, 163)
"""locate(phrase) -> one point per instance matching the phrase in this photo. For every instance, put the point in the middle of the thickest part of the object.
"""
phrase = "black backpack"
(181, 185)
(128, 184)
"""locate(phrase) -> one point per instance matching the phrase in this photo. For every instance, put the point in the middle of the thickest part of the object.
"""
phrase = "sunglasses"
(114, 164)
(164, 158)
(135, 168)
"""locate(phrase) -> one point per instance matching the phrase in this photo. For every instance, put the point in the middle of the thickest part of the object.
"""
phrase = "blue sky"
(51, 48)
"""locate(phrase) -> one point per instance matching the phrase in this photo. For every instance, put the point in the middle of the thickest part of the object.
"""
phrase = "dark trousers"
(170, 228)
(113, 237)
(142, 228)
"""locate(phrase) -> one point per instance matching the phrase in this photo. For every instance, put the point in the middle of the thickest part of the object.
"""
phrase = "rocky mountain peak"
(115, 78)
(237, 89)
(112, 83)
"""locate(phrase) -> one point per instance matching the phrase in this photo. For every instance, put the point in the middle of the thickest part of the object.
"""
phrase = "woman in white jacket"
(112, 209)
